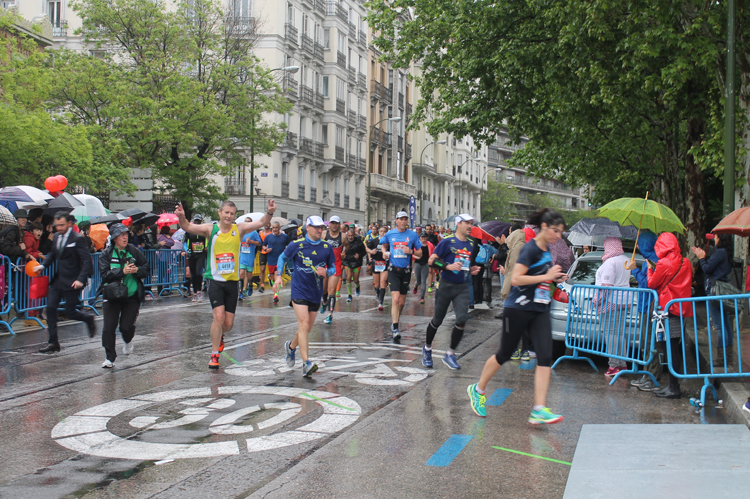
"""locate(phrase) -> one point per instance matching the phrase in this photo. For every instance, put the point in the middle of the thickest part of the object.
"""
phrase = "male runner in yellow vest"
(223, 266)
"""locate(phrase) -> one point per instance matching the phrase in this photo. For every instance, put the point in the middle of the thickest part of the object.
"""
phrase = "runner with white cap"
(452, 256)
(339, 244)
(399, 245)
(313, 261)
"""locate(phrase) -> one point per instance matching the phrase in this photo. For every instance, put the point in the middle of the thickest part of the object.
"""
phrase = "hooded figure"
(646, 242)
(613, 273)
(673, 276)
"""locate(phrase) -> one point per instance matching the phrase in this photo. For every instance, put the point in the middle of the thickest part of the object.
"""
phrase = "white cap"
(315, 221)
(334, 218)
(402, 214)
(463, 217)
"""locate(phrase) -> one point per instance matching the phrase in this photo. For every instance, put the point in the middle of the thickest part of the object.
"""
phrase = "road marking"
(326, 401)
(449, 450)
(532, 455)
(528, 365)
(498, 396)
(252, 341)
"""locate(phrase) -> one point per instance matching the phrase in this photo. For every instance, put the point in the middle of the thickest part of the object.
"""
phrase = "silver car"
(583, 271)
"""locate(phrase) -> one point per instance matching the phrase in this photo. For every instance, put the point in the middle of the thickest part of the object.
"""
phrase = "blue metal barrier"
(90, 297)
(167, 270)
(611, 322)
(729, 308)
(6, 293)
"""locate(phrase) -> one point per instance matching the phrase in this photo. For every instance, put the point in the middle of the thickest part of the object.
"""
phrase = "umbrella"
(655, 216)
(6, 217)
(107, 219)
(99, 234)
(496, 228)
(167, 219)
(23, 196)
(478, 233)
(63, 203)
(253, 217)
(578, 239)
(737, 222)
(602, 227)
(92, 207)
(139, 216)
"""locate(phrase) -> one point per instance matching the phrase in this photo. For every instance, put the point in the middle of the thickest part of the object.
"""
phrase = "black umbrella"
(496, 228)
(107, 219)
(65, 203)
(133, 213)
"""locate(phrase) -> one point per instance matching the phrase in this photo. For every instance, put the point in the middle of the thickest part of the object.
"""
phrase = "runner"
(398, 246)
(353, 261)
(263, 258)
(250, 242)
(338, 243)
(452, 255)
(379, 270)
(313, 260)
(274, 245)
(422, 268)
(196, 247)
(527, 310)
(222, 268)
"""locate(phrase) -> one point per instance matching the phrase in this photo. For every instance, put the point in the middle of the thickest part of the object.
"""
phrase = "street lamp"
(395, 119)
(459, 183)
(285, 69)
(421, 169)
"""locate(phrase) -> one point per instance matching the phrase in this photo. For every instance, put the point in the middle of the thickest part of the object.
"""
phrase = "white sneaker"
(108, 364)
(128, 348)
(532, 354)
(195, 297)
(200, 295)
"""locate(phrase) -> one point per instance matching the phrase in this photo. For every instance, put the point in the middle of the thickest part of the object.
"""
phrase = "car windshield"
(585, 272)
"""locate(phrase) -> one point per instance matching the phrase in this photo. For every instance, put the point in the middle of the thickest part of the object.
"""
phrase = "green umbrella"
(642, 213)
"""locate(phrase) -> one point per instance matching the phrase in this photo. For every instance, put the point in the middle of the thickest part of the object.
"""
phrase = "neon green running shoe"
(477, 401)
(516, 355)
(544, 416)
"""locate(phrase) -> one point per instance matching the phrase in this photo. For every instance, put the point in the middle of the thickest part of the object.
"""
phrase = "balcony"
(340, 154)
(353, 75)
(409, 110)
(341, 60)
(408, 152)
(352, 31)
(392, 186)
(284, 189)
(319, 101)
(337, 199)
(424, 168)
(60, 28)
(320, 6)
(291, 140)
(306, 146)
(400, 143)
(363, 38)
(291, 34)
(318, 52)
(362, 123)
(387, 139)
(352, 118)
(387, 95)
(400, 100)
(240, 26)
(351, 162)
(313, 195)
(361, 164)
(307, 96)
(356, 203)
(362, 81)
(331, 8)
(346, 201)
(376, 90)
(341, 13)
(318, 149)
(307, 44)
(301, 192)
(376, 136)
(234, 186)
(325, 193)
(340, 107)
(290, 86)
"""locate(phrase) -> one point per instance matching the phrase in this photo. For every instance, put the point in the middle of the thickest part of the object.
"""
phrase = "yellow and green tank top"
(223, 249)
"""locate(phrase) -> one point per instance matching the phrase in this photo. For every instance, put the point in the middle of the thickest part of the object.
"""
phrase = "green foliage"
(177, 91)
(499, 201)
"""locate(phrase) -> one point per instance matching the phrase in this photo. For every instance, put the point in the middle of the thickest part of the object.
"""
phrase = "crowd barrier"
(727, 324)
(612, 322)
(167, 272)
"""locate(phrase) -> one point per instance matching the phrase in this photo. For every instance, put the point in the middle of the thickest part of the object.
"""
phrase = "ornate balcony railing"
(306, 146)
(290, 86)
(234, 186)
(307, 95)
(320, 6)
(408, 151)
(307, 44)
(337, 199)
(362, 38)
(291, 34)
(351, 162)
(240, 26)
(387, 95)
(356, 203)
(352, 31)
(313, 195)
(291, 140)
(339, 153)
(60, 28)
(341, 60)
(376, 90)
(319, 100)
(301, 192)
(340, 107)
(318, 52)
(361, 164)
(353, 75)
(352, 118)
(318, 148)
(346, 201)
(362, 81)
(341, 13)
(284, 189)
(387, 139)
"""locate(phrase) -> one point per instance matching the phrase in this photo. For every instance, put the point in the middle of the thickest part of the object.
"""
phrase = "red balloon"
(63, 182)
(52, 184)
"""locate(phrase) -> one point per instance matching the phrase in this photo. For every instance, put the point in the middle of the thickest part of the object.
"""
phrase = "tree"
(499, 201)
(178, 92)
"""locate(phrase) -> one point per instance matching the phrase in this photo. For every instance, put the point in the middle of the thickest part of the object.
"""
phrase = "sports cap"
(334, 219)
(464, 217)
(402, 214)
(315, 221)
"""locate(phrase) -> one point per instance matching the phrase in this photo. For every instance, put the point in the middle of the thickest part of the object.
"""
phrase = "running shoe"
(532, 354)
(108, 364)
(516, 355)
(249, 291)
(477, 401)
(349, 299)
(275, 298)
(449, 359)
(426, 357)
(415, 290)
(421, 300)
(308, 368)
(289, 353)
(262, 290)
(241, 297)
(544, 416)
(200, 296)
(328, 319)
(640, 381)
(525, 356)
(396, 334)
(221, 345)
(612, 371)
(195, 297)
(429, 290)
(214, 362)
(357, 292)
(128, 348)
(323, 308)
(380, 306)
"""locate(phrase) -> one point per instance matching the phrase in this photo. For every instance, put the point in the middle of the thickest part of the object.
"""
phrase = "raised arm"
(245, 227)
(197, 229)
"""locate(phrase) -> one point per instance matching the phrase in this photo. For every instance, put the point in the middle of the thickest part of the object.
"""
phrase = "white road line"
(249, 342)
(334, 343)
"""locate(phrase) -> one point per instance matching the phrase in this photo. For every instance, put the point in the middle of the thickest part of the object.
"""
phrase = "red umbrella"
(479, 233)
(737, 222)
(167, 219)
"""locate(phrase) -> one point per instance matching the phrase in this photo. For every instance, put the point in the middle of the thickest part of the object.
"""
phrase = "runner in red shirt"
(334, 237)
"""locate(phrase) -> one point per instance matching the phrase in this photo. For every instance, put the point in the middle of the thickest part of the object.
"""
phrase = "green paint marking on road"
(230, 358)
(327, 401)
(532, 455)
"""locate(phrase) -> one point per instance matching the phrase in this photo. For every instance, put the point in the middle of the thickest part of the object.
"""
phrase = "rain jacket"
(646, 242)
(673, 276)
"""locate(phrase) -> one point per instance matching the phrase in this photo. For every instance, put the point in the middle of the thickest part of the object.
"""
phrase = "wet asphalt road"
(366, 425)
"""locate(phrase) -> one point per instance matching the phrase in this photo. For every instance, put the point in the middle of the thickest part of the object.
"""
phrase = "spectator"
(45, 243)
(11, 238)
(31, 240)
(85, 227)
(612, 273)
(165, 240)
(196, 250)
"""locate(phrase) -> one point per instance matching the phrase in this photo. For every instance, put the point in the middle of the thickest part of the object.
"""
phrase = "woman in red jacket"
(672, 278)
(31, 240)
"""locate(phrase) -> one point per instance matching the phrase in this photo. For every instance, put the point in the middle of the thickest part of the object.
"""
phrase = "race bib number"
(307, 262)
(225, 263)
(541, 293)
(379, 266)
(464, 257)
(245, 248)
(398, 249)
(198, 247)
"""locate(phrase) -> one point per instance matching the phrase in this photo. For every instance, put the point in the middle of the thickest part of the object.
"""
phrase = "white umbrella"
(6, 217)
(92, 207)
(253, 216)
(25, 196)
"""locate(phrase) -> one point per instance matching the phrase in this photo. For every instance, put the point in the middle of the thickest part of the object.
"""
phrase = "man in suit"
(74, 266)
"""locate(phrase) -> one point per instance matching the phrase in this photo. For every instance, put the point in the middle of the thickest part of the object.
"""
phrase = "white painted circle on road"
(87, 431)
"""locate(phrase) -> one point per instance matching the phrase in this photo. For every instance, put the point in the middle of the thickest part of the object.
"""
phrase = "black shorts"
(263, 259)
(399, 279)
(223, 294)
(312, 307)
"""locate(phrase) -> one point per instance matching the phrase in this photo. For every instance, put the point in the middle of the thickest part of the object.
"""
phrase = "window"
(283, 214)
(312, 179)
(290, 14)
(325, 134)
(285, 172)
(305, 24)
(342, 42)
(325, 87)
(340, 89)
(301, 176)
(327, 38)
(336, 185)
(340, 134)
(240, 8)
